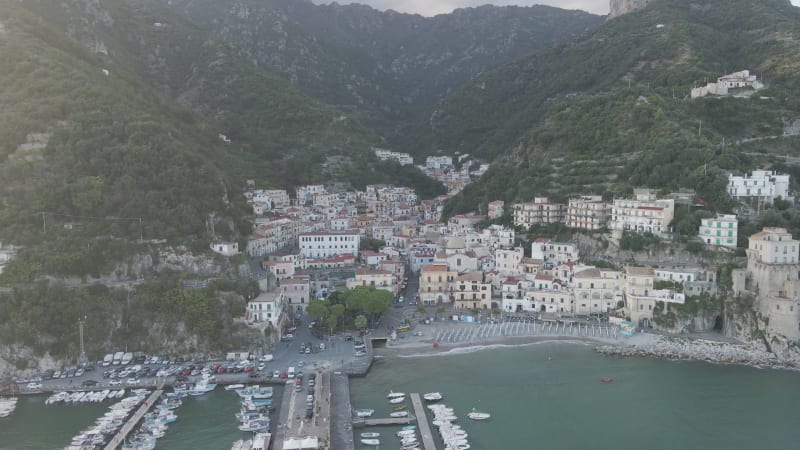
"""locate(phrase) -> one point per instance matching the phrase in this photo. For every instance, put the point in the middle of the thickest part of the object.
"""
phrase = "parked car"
(34, 386)
(115, 382)
(132, 381)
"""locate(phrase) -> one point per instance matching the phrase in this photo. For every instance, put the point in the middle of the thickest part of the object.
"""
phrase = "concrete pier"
(422, 423)
(126, 429)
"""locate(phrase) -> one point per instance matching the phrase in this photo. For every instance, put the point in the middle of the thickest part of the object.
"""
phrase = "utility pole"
(700, 129)
(44, 223)
(81, 323)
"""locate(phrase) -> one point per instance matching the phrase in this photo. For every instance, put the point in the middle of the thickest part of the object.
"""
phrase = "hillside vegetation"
(611, 111)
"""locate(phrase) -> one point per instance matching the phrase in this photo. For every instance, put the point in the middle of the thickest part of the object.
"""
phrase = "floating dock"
(134, 420)
(422, 423)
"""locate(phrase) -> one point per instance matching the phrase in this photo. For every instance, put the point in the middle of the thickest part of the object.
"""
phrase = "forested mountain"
(393, 66)
(611, 110)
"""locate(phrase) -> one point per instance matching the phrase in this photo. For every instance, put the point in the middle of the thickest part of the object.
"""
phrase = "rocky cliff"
(620, 7)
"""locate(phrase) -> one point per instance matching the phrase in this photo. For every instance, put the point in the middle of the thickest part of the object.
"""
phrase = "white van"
(117, 358)
(127, 358)
(290, 372)
(108, 359)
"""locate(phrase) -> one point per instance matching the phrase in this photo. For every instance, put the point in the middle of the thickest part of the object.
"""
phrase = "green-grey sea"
(543, 396)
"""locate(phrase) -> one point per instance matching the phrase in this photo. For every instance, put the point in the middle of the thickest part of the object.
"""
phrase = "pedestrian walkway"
(422, 423)
(119, 438)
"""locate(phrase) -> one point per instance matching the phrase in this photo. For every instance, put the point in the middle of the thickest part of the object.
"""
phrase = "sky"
(433, 7)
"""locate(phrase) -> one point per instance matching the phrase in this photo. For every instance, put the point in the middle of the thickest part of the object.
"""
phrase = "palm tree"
(439, 311)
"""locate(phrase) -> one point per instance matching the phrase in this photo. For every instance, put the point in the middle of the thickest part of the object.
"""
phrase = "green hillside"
(612, 111)
(143, 141)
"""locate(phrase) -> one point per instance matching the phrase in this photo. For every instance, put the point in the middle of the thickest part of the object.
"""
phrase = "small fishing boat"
(396, 400)
(432, 396)
(364, 412)
(606, 379)
(399, 408)
(371, 441)
(371, 435)
(475, 415)
(233, 387)
(395, 394)
(399, 414)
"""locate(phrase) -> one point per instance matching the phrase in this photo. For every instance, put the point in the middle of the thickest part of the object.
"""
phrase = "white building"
(507, 261)
(306, 194)
(677, 274)
(267, 307)
(724, 84)
(773, 246)
(438, 162)
(720, 231)
(225, 248)
(403, 158)
(324, 244)
(539, 212)
(588, 212)
(763, 185)
(554, 252)
(643, 214)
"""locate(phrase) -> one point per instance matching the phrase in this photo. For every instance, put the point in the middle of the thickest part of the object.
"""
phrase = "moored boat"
(432, 396)
(371, 441)
(370, 435)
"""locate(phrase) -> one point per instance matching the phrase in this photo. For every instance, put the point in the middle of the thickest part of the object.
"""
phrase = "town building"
(597, 290)
(496, 209)
(469, 291)
(539, 212)
(720, 231)
(325, 244)
(434, 284)
(297, 293)
(506, 261)
(379, 279)
(438, 162)
(281, 269)
(644, 214)
(267, 307)
(588, 212)
(305, 194)
(761, 185)
(553, 252)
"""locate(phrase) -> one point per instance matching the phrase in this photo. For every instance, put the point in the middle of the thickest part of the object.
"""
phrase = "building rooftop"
(639, 271)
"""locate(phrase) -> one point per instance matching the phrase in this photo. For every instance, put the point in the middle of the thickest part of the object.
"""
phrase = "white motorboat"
(475, 415)
(399, 414)
(432, 396)
(403, 433)
(371, 441)
(234, 387)
(370, 435)
(395, 394)
(396, 400)
(202, 387)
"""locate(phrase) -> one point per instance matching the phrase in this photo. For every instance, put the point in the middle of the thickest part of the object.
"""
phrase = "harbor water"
(204, 422)
(547, 395)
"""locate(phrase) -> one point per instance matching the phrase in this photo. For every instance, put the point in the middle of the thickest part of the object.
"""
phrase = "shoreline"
(667, 347)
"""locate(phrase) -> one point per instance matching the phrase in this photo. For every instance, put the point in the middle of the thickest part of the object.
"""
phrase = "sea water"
(549, 396)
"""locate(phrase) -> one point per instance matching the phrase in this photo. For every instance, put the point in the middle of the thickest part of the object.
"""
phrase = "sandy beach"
(721, 351)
